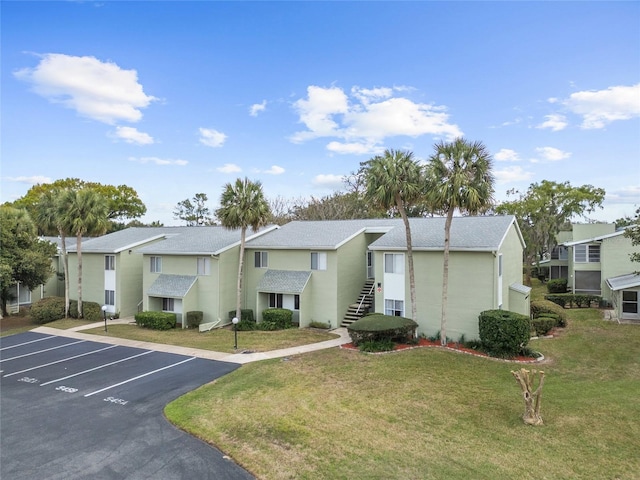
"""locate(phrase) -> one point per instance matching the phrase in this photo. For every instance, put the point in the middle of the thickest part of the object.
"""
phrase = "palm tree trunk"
(445, 277)
(243, 233)
(79, 246)
(412, 278)
(65, 269)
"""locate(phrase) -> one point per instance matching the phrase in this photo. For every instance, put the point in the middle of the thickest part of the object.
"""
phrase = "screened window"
(204, 266)
(318, 260)
(167, 304)
(394, 263)
(559, 271)
(394, 308)
(109, 262)
(586, 253)
(559, 252)
(630, 301)
(587, 282)
(261, 259)
(109, 297)
(275, 300)
(156, 264)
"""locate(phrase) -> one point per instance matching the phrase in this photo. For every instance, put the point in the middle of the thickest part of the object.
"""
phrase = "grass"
(429, 413)
(219, 340)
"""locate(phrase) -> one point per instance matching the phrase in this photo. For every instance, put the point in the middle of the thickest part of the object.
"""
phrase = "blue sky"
(178, 98)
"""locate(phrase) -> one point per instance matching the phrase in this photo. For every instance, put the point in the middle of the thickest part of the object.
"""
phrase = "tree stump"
(532, 398)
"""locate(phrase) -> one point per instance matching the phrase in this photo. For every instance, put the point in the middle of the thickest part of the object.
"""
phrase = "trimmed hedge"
(194, 318)
(543, 325)
(570, 299)
(377, 328)
(245, 314)
(542, 308)
(557, 285)
(156, 320)
(504, 333)
(47, 310)
(276, 319)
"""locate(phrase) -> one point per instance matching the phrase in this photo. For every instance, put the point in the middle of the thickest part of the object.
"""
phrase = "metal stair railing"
(363, 297)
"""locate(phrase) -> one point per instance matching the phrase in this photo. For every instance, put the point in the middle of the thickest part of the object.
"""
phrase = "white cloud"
(628, 194)
(511, 175)
(334, 182)
(552, 154)
(354, 148)
(600, 107)
(159, 161)
(366, 118)
(211, 137)
(257, 108)
(132, 135)
(555, 122)
(507, 155)
(98, 90)
(34, 180)
(229, 168)
(274, 170)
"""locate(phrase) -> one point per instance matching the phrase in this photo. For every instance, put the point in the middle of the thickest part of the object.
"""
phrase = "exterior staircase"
(357, 310)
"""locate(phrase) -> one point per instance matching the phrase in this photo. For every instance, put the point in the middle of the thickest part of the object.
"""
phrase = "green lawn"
(429, 413)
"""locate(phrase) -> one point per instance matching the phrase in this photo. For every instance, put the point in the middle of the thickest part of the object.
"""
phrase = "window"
(261, 259)
(586, 253)
(275, 300)
(318, 260)
(156, 264)
(109, 262)
(109, 297)
(559, 271)
(394, 263)
(394, 308)
(204, 266)
(559, 252)
(587, 281)
(630, 301)
(167, 304)
(296, 302)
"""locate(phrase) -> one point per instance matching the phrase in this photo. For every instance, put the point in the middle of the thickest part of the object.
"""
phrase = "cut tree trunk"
(532, 398)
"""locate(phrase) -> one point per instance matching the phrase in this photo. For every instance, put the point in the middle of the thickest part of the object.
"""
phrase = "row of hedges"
(156, 320)
(50, 309)
(570, 300)
(546, 315)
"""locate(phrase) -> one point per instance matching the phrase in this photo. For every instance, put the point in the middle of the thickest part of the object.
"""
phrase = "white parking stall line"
(96, 368)
(60, 361)
(140, 376)
(27, 343)
(41, 351)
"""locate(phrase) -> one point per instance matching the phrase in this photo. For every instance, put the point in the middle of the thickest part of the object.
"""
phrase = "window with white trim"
(109, 262)
(167, 304)
(560, 252)
(586, 253)
(109, 297)
(275, 300)
(318, 260)
(394, 263)
(630, 301)
(261, 259)
(156, 264)
(203, 266)
(394, 308)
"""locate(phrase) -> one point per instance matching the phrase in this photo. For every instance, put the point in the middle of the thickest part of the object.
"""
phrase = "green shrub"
(543, 325)
(247, 325)
(504, 333)
(47, 310)
(92, 311)
(323, 325)
(276, 319)
(579, 300)
(541, 308)
(245, 314)
(382, 345)
(194, 318)
(156, 320)
(557, 285)
(381, 327)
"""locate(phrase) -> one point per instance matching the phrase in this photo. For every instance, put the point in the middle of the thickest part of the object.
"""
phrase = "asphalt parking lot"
(76, 409)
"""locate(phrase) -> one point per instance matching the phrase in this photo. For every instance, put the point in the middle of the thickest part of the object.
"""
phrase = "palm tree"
(82, 212)
(458, 178)
(49, 219)
(395, 181)
(243, 205)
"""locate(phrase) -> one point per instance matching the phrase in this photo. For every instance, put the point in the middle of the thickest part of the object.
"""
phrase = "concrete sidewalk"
(240, 358)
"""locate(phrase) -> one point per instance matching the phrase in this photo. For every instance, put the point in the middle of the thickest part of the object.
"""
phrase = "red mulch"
(423, 342)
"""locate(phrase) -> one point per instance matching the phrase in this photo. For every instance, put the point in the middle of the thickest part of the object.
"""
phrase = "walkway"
(240, 358)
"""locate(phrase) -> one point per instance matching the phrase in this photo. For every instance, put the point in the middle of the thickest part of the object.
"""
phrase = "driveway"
(77, 409)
